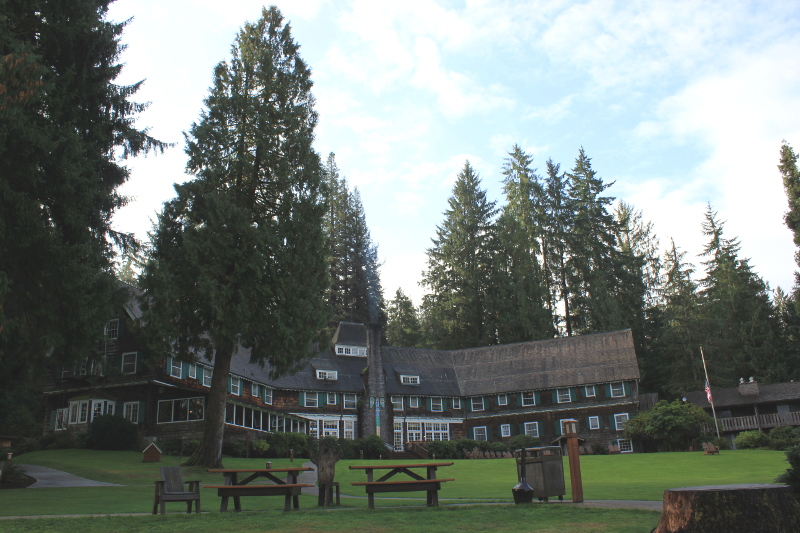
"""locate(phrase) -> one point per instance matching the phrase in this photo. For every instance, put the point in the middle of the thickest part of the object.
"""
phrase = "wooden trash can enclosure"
(544, 472)
(750, 507)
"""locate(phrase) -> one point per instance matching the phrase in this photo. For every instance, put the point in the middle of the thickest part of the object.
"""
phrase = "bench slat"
(402, 482)
(246, 487)
(420, 465)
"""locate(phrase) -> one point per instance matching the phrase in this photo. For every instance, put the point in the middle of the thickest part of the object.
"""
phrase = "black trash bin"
(544, 471)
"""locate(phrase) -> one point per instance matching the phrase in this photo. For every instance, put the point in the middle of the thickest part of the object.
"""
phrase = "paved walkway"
(50, 477)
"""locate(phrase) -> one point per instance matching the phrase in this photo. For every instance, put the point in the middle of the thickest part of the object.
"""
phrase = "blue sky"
(679, 103)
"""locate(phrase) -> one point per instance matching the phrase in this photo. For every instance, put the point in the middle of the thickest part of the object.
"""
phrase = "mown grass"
(500, 519)
(611, 477)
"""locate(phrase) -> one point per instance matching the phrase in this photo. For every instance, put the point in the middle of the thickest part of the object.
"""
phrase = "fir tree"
(403, 328)
(238, 257)
(558, 227)
(65, 130)
(459, 272)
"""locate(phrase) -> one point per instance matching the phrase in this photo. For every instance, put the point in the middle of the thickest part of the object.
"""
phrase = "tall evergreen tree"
(403, 328)
(737, 317)
(238, 258)
(789, 304)
(355, 292)
(65, 130)
(523, 304)
(558, 228)
(593, 265)
(460, 271)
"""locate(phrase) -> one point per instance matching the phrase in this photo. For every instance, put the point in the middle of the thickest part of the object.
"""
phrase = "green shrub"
(259, 448)
(792, 475)
(469, 445)
(444, 449)
(496, 446)
(782, 437)
(600, 449)
(518, 442)
(234, 447)
(13, 475)
(374, 447)
(672, 426)
(750, 439)
(111, 432)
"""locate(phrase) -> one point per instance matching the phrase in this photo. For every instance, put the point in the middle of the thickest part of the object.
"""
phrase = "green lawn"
(620, 477)
(498, 519)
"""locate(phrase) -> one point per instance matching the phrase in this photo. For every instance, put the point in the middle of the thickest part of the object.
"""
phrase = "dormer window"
(327, 375)
(409, 380)
(360, 351)
(112, 329)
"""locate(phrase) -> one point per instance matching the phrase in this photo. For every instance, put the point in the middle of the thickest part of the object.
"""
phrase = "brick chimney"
(376, 413)
(748, 388)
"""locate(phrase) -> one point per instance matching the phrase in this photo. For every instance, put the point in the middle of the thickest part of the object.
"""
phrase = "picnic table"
(431, 484)
(233, 487)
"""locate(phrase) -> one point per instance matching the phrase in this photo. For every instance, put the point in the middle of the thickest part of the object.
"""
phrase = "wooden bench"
(236, 488)
(710, 449)
(227, 491)
(430, 484)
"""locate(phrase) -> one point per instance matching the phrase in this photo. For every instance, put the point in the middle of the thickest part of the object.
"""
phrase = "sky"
(678, 103)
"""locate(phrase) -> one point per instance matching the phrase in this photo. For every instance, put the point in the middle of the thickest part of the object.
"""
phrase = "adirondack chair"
(171, 489)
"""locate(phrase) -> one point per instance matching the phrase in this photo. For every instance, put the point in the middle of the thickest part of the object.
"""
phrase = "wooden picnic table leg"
(223, 506)
(287, 502)
(237, 503)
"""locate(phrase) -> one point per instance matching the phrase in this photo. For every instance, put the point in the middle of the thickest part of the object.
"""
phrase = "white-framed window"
(617, 390)
(414, 430)
(456, 403)
(207, 375)
(397, 402)
(360, 351)
(236, 386)
(563, 396)
(398, 436)
(563, 428)
(62, 417)
(437, 431)
(350, 402)
(83, 412)
(311, 399)
(255, 390)
(193, 371)
(330, 428)
(532, 429)
(180, 410)
(73, 412)
(589, 391)
(349, 429)
(625, 445)
(328, 375)
(312, 428)
(502, 399)
(176, 368)
(620, 420)
(129, 363)
(477, 404)
(112, 329)
(480, 433)
(594, 422)
(528, 398)
(130, 410)
(267, 394)
(505, 430)
(436, 404)
(409, 380)
(331, 398)
(249, 417)
(413, 402)
(102, 407)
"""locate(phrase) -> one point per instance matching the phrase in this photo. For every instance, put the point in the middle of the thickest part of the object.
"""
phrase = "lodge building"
(357, 387)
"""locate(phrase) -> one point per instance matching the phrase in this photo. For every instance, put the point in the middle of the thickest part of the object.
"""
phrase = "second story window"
(589, 391)
(112, 329)
(456, 403)
(349, 401)
(502, 399)
(436, 404)
(236, 386)
(528, 398)
(397, 403)
(477, 405)
(207, 373)
(328, 375)
(413, 401)
(176, 368)
(267, 395)
(564, 396)
(129, 363)
(617, 390)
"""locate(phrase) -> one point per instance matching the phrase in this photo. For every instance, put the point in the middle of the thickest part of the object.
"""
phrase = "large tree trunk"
(209, 451)
(752, 507)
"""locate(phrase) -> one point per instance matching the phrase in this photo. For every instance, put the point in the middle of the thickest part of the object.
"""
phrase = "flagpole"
(710, 396)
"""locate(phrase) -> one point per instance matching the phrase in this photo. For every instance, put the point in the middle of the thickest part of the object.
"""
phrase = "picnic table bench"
(232, 487)
(385, 483)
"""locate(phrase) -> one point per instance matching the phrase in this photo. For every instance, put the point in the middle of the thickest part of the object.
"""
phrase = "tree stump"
(724, 508)
(325, 454)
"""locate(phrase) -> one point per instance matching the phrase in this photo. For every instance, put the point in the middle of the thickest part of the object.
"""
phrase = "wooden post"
(571, 427)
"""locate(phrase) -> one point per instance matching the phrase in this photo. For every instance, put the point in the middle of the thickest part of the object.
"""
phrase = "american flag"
(708, 393)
